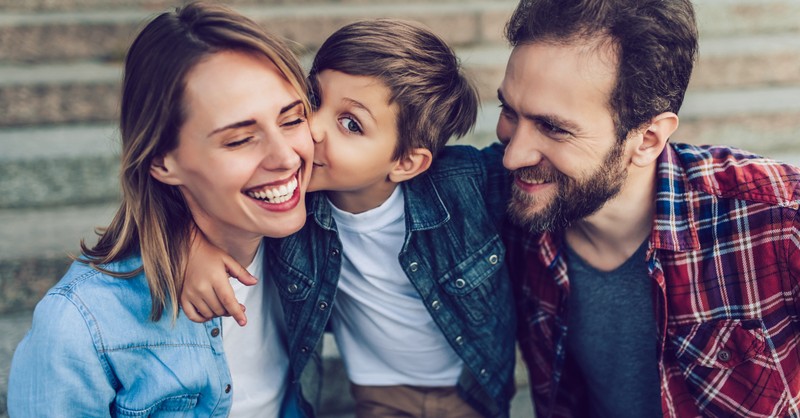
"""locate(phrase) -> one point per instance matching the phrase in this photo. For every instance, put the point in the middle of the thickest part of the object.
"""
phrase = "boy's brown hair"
(424, 77)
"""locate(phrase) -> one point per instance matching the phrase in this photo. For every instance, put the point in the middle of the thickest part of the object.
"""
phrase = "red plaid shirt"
(724, 255)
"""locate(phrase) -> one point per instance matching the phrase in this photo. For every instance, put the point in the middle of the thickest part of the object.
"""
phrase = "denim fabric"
(452, 254)
(92, 351)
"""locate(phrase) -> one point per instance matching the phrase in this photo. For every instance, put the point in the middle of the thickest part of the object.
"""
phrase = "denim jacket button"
(459, 340)
(483, 372)
(413, 266)
(436, 305)
(493, 259)
(228, 388)
(335, 252)
(304, 349)
(323, 305)
(292, 288)
(460, 283)
(215, 332)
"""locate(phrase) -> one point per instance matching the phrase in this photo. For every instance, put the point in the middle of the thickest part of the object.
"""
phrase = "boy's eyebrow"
(550, 119)
(251, 122)
(359, 105)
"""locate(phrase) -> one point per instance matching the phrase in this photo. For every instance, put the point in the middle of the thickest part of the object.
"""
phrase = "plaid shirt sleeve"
(725, 257)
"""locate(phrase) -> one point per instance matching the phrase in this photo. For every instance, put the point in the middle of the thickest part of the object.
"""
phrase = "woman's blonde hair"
(153, 218)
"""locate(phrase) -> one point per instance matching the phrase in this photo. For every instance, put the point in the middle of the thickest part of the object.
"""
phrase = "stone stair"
(60, 74)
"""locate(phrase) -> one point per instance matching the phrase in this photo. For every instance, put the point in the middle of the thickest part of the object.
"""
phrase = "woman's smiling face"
(244, 153)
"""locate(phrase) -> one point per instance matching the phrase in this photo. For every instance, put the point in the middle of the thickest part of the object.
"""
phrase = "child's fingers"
(191, 312)
(229, 303)
(238, 272)
(204, 310)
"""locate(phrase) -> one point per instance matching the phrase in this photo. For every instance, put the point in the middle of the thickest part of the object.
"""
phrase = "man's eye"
(551, 129)
(350, 124)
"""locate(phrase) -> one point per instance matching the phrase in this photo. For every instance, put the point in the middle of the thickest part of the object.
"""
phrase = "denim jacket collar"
(424, 207)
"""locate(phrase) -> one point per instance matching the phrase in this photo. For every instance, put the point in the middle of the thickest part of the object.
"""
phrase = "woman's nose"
(280, 155)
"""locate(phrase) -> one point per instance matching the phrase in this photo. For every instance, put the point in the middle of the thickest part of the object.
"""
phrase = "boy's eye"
(350, 124)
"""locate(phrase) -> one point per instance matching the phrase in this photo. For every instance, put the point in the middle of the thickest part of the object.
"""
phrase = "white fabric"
(384, 333)
(256, 353)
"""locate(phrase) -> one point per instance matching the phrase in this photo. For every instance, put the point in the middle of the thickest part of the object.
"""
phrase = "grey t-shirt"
(612, 336)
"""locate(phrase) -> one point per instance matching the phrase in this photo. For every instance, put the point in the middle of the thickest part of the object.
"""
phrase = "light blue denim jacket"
(452, 254)
(92, 351)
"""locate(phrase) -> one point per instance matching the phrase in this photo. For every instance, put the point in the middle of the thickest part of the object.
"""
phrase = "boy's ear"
(164, 170)
(652, 139)
(416, 162)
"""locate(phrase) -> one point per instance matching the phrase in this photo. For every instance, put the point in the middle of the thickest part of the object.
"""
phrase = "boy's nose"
(317, 133)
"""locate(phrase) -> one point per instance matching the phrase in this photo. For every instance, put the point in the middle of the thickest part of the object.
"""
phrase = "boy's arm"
(207, 291)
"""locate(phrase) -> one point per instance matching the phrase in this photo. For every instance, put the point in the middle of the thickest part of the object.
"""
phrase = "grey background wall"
(60, 76)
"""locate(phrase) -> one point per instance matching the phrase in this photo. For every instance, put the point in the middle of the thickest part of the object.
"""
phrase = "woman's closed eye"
(238, 142)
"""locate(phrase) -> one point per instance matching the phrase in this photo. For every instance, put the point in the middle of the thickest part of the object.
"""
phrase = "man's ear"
(163, 169)
(653, 138)
(416, 162)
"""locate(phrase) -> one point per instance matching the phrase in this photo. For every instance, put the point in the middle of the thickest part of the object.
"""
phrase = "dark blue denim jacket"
(452, 254)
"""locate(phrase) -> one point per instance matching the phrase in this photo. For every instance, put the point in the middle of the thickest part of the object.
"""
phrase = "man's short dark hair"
(655, 41)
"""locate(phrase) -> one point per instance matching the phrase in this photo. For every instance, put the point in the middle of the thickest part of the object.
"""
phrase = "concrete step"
(762, 120)
(158, 5)
(39, 30)
(68, 165)
(61, 165)
(106, 34)
(734, 17)
(81, 92)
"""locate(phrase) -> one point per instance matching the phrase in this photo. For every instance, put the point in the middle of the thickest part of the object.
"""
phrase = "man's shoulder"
(728, 172)
(455, 160)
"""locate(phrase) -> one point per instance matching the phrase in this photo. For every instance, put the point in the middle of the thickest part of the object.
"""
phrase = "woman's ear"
(654, 138)
(163, 169)
(416, 162)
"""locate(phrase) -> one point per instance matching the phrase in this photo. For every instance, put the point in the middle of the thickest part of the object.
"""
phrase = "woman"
(214, 133)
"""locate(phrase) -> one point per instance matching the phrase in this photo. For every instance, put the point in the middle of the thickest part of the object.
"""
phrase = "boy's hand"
(207, 290)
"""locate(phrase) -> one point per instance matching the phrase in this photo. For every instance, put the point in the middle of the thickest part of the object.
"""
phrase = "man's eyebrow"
(235, 125)
(551, 119)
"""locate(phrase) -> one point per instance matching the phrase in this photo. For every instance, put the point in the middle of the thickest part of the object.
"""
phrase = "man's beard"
(574, 199)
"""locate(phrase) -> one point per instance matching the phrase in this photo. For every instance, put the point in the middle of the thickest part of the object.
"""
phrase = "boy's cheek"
(315, 184)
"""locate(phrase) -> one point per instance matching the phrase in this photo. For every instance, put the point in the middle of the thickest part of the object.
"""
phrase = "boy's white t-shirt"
(256, 353)
(385, 334)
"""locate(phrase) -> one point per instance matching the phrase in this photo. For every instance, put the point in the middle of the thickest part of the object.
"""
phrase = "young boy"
(423, 314)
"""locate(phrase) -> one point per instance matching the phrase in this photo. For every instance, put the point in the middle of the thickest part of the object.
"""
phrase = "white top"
(383, 330)
(256, 353)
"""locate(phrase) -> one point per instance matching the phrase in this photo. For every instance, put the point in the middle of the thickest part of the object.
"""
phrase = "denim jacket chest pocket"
(170, 407)
(723, 357)
(468, 284)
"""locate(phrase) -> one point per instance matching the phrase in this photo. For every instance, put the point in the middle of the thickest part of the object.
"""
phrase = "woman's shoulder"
(93, 287)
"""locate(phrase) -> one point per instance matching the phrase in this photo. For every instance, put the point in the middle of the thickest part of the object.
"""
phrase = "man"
(652, 279)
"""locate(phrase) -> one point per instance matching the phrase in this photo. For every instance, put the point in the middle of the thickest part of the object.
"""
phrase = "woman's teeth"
(275, 194)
